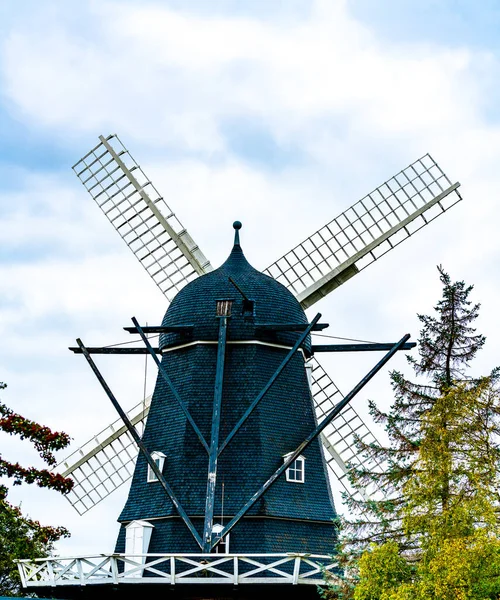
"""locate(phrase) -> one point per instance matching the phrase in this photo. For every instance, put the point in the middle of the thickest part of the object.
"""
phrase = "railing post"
(22, 573)
(235, 570)
(296, 570)
(51, 573)
(80, 571)
(114, 568)
(172, 570)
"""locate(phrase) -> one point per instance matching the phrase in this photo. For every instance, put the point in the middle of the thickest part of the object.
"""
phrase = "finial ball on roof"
(237, 224)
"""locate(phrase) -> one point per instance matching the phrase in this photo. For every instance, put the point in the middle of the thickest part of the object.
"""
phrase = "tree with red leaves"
(20, 536)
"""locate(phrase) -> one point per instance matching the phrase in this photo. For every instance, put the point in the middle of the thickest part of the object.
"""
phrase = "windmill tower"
(230, 485)
(233, 393)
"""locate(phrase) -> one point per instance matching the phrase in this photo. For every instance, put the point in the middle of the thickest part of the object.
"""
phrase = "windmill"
(321, 263)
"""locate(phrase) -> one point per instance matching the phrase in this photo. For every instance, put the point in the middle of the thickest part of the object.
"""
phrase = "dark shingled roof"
(273, 303)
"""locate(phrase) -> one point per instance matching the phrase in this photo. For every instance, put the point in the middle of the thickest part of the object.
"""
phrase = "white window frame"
(309, 369)
(222, 546)
(293, 469)
(159, 459)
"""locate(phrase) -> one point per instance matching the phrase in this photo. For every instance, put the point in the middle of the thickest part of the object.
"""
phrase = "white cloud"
(170, 77)
(356, 109)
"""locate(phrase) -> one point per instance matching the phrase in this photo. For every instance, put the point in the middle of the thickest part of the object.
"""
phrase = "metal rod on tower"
(142, 447)
(214, 440)
(313, 435)
(358, 347)
(165, 376)
(271, 381)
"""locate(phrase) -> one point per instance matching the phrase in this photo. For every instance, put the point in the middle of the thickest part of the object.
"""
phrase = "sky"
(278, 114)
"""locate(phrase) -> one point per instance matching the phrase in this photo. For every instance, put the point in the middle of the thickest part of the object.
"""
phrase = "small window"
(159, 459)
(248, 309)
(224, 308)
(296, 470)
(309, 371)
(222, 546)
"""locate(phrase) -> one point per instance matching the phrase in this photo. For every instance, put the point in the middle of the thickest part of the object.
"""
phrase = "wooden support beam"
(107, 350)
(313, 435)
(214, 439)
(138, 440)
(271, 381)
(358, 347)
(168, 381)
(290, 326)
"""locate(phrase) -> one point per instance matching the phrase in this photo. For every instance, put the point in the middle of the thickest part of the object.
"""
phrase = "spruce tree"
(441, 463)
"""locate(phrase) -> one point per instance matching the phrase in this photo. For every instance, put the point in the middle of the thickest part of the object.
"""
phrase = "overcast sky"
(280, 114)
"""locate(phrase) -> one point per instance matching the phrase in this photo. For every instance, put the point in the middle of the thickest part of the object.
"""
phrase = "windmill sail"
(141, 216)
(104, 463)
(339, 438)
(343, 247)
(366, 231)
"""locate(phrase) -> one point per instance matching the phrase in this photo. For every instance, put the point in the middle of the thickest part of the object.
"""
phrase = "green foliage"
(466, 568)
(382, 570)
(454, 487)
(436, 534)
(20, 536)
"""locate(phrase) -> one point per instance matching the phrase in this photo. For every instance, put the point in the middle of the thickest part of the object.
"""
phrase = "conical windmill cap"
(257, 299)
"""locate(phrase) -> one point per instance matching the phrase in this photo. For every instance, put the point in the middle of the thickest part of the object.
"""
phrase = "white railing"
(173, 569)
